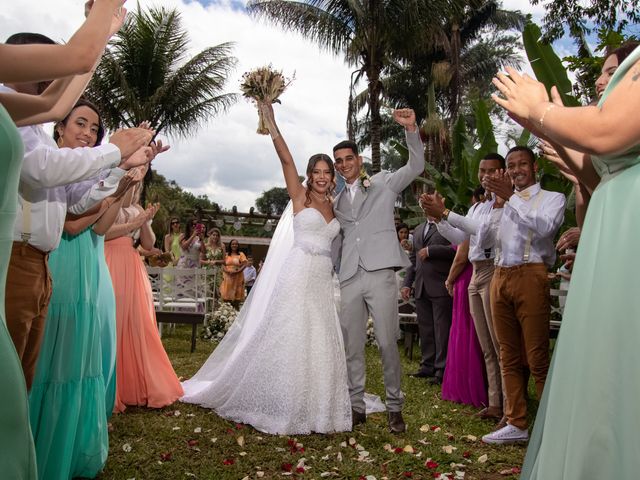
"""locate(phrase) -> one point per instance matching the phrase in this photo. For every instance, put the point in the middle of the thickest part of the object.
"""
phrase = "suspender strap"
(527, 246)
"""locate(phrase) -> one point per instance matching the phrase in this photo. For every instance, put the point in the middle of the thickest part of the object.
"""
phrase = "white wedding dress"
(281, 367)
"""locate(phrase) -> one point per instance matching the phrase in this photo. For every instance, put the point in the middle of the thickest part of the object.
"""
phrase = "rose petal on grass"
(483, 458)
(126, 447)
(352, 441)
(425, 428)
(408, 449)
(449, 449)
(197, 430)
(286, 467)
(214, 440)
(228, 461)
(260, 474)
(242, 454)
(431, 464)
(192, 442)
(339, 457)
(166, 456)
(240, 441)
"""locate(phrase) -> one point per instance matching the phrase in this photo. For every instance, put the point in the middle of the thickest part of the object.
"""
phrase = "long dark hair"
(83, 102)
(310, 166)
(229, 251)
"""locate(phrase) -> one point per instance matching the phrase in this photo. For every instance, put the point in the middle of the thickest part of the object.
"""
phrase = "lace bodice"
(312, 233)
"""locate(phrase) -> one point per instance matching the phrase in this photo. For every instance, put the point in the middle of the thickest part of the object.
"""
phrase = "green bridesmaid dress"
(588, 423)
(67, 399)
(17, 457)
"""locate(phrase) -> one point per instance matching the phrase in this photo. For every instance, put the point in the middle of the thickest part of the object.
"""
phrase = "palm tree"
(146, 75)
(367, 33)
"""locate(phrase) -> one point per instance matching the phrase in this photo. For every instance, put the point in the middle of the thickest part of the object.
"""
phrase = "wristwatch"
(445, 214)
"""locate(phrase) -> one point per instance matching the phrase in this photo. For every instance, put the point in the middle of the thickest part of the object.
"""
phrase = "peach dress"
(144, 375)
(232, 287)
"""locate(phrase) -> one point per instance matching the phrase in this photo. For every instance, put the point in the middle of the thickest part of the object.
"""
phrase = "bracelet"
(445, 213)
(544, 114)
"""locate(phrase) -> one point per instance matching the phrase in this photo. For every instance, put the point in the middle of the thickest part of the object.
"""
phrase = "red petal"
(300, 470)
(431, 464)
(166, 456)
(192, 443)
(228, 461)
(287, 467)
(466, 454)
(398, 450)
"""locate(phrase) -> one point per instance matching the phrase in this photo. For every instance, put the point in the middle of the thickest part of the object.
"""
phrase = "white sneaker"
(508, 434)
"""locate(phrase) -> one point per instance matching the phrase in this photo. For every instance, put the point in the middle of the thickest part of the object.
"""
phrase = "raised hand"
(157, 148)
(406, 117)
(140, 157)
(520, 93)
(117, 21)
(129, 141)
(268, 117)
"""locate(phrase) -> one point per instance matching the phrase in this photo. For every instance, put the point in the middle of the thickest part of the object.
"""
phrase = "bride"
(281, 367)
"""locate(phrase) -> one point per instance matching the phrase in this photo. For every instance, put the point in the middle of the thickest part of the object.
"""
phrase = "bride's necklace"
(320, 198)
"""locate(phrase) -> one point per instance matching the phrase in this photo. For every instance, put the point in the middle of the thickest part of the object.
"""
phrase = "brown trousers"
(480, 307)
(27, 300)
(521, 310)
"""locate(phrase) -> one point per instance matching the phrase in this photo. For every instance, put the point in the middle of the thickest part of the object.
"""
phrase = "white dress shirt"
(458, 229)
(49, 182)
(533, 221)
(353, 188)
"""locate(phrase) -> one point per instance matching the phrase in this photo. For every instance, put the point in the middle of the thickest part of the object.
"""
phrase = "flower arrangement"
(264, 84)
(365, 180)
(218, 323)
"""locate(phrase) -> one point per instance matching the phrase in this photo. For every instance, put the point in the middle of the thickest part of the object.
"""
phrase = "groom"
(365, 255)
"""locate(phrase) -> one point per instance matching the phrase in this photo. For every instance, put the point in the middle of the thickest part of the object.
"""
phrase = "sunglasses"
(175, 223)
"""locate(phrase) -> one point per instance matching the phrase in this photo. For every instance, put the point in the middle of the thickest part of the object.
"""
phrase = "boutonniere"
(365, 180)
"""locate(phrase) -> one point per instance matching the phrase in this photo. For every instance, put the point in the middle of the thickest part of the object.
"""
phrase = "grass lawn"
(184, 441)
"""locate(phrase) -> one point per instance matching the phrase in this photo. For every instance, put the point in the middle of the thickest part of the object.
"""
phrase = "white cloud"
(226, 159)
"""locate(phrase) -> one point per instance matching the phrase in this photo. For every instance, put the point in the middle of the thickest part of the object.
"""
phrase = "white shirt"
(458, 229)
(353, 188)
(249, 275)
(48, 180)
(541, 214)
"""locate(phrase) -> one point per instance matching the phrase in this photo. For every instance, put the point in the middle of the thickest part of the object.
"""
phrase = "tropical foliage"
(368, 34)
(147, 74)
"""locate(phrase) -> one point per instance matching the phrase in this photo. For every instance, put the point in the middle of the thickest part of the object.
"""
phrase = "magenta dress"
(464, 376)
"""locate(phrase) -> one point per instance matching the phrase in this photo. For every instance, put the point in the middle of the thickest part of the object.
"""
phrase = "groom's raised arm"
(402, 178)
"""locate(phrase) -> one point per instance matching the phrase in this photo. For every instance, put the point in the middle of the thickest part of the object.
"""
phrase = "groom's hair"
(28, 38)
(346, 144)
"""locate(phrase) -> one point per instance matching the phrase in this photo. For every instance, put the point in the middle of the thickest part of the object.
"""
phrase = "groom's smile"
(348, 164)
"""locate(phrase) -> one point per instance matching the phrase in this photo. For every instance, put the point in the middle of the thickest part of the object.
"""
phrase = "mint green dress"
(106, 305)
(17, 457)
(588, 423)
(67, 399)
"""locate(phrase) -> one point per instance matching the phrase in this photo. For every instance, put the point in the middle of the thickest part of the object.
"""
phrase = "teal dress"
(67, 399)
(589, 418)
(106, 305)
(17, 457)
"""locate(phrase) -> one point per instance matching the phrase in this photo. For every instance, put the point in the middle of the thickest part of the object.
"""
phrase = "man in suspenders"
(522, 227)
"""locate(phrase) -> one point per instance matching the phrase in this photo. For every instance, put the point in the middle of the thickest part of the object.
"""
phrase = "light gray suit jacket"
(368, 235)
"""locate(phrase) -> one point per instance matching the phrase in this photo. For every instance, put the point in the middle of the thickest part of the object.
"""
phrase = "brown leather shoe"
(490, 413)
(357, 418)
(396, 422)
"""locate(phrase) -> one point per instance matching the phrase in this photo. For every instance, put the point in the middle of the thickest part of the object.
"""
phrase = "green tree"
(367, 33)
(146, 74)
(580, 18)
(273, 201)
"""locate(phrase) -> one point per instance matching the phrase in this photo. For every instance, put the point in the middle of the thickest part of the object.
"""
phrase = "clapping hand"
(520, 93)
(569, 239)
(499, 183)
(432, 204)
(406, 117)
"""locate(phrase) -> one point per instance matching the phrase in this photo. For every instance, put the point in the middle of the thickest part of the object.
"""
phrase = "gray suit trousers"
(374, 293)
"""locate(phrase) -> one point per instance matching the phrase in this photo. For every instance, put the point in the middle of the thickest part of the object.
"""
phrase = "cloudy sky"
(226, 159)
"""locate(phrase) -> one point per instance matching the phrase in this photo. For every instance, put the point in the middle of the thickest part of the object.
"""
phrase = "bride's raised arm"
(294, 187)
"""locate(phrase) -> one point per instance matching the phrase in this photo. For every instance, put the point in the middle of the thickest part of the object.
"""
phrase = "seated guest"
(522, 226)
(431, 259)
